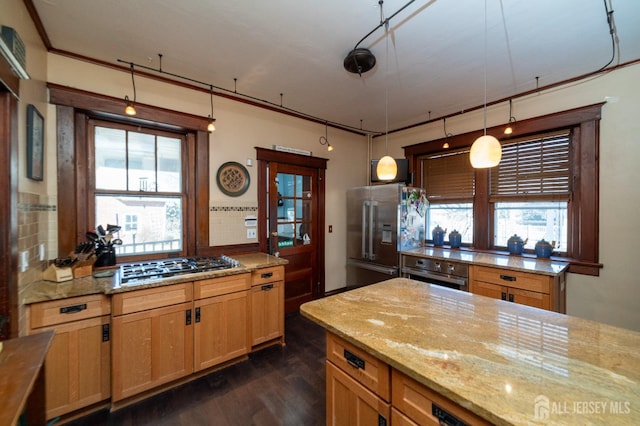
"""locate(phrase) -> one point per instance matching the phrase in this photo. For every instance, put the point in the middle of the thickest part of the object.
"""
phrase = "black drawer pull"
(106, 334)
(198, 314)
(188, 317)
(445, 418)
(354, 360)
(73, 309)
(266, 275)
(507, 278)
(267, 287)
(381, 420)
(511, 298)
(504, 296)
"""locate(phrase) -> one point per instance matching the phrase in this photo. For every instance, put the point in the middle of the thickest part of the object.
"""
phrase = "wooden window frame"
(584, 122)
(73, 108)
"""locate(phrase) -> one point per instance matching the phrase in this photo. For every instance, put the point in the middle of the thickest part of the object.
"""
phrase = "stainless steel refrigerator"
(382, 220)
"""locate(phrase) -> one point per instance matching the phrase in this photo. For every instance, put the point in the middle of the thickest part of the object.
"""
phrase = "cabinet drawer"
(365, 368)
(151, 298)
(221, 285)
(516, 279)
(417, 402)
(267, 275)
(72, 309)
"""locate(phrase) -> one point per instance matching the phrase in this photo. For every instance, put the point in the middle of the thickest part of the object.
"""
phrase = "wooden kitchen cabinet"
(152, 338)
(267, 306)
(414, 403)
(221, 331)
(78, 364)
(537, 290)
(358, 385)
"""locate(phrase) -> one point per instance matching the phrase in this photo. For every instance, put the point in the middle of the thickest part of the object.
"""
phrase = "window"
(530, 191)
(449, 183)
(138, 186)
(558, 201)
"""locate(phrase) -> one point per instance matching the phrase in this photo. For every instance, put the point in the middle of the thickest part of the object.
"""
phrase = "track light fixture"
(324, 140)
(512, 121)
(486, 151)
(447, 135)
(211, 127)
(130, 109)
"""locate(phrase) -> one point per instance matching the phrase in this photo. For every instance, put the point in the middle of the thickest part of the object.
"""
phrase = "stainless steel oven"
(434, 271)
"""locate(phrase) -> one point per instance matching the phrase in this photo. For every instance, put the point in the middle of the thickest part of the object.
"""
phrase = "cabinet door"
(151, 348)
(77, 365)
(221, 329)
(530, 298)
(489, 290)
(351, 404)
(267, 312)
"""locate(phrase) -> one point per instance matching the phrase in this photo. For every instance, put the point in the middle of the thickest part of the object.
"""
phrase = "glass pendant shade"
(485, 152)
(211, 127)
(387, 168)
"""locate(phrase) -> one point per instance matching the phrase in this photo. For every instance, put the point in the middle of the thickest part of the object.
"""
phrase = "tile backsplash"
(227, 224)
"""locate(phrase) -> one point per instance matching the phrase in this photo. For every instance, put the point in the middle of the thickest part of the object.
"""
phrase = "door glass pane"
(169, 167)
(111, 158)
(142, 162)
(286, 184)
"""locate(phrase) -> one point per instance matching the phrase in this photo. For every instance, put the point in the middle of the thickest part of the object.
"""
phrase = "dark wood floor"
(275, 386)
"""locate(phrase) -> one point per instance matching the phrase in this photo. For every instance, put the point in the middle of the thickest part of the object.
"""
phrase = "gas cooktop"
(163, 268)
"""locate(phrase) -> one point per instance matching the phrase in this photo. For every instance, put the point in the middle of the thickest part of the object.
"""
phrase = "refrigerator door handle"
(372, 210)
(388, 270)
(363, 224)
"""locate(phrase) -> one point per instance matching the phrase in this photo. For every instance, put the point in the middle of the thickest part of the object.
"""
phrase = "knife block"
(55, 274)
(83, 268)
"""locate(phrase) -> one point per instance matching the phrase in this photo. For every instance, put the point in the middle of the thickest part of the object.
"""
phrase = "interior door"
(293, 229)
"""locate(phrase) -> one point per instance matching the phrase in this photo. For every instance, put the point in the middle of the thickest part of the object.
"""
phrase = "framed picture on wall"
(35, 144)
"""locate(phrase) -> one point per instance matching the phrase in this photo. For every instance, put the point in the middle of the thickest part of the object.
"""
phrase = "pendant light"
(512, 121)
(324, 140)
(130, 109)
(486, 151)
(387, 167)
(211, 127)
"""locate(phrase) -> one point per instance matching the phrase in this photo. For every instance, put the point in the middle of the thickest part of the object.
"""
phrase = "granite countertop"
(41, 291)
(508, 363)
(515, 263)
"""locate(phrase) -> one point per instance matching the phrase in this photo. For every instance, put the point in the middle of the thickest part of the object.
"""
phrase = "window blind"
(533, 169)
(448, 177)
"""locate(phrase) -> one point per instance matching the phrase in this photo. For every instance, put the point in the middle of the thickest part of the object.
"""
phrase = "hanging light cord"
(211, 92)
(133, 81)
(612, 32)
(485, 67)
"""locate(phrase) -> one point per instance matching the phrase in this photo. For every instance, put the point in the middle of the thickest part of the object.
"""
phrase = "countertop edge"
(445, 254)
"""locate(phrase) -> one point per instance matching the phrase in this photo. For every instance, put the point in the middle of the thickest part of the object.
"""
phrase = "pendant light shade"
(130, 108)
(485, 152)
(387, 168)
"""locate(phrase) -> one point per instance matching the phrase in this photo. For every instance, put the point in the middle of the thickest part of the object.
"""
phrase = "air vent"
(12, 48)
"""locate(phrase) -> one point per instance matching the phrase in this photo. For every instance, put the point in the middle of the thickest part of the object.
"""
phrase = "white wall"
(614, 296)
(239, 129)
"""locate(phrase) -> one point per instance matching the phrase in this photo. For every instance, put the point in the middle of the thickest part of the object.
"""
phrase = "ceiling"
(431, 64)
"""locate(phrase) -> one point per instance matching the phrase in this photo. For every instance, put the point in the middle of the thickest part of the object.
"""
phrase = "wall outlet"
(251, 233)
(24, 260)
(41, 252)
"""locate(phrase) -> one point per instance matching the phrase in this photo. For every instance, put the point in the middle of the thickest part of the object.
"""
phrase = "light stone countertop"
(41, 291)
(498, 359)
(515, 263)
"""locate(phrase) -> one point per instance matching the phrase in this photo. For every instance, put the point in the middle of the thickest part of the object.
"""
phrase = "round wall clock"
(232, 179)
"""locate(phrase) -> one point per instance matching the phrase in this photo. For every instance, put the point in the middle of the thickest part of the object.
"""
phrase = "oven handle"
(437, 277)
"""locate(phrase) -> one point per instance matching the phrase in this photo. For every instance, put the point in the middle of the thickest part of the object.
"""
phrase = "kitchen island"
(505, 363)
